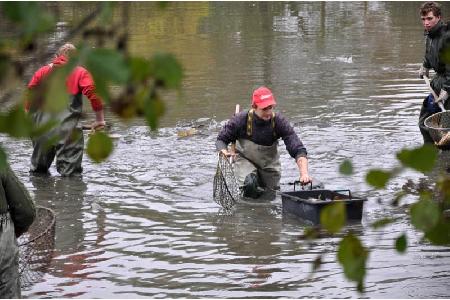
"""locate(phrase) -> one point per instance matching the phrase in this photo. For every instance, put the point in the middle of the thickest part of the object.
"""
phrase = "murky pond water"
(143, 224)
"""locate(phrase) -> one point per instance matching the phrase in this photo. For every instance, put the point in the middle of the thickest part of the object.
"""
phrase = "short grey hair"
(66, 49)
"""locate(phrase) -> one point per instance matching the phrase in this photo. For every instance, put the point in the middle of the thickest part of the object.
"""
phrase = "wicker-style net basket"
(438, 126)
(36, 247)
(225, 187)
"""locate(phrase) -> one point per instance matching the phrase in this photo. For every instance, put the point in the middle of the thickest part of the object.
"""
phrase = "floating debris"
(186, 133)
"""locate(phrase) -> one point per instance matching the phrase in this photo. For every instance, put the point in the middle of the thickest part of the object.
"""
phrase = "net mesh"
(36, 247)
(438, 126)
(225, 186)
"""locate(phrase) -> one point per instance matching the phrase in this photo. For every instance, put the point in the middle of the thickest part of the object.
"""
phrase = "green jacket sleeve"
(20, 204)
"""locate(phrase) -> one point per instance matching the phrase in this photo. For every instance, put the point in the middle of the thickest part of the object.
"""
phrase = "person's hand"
(443, 96)
(229, 154)
(305, 179)
(98, 125)
(424, 71)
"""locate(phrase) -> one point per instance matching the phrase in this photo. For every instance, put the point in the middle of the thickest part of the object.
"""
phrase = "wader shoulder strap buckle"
(250, 123)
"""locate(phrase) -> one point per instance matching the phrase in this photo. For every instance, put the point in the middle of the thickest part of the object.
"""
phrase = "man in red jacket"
(65, 141)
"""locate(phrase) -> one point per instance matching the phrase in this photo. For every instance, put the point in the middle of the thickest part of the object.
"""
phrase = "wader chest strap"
(250, 123)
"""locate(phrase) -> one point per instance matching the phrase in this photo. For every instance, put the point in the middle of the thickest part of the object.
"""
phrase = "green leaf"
(421, 159)
(440, 233)
(153, 109)
(44, 128)
(401, 243)
(352, 255)
(383, 223)
(99, 146)
(5, 65)
(310, 233)
(333, 216)
(106, 13)
(3, 159)
(16, 123)
(163, 4)
(445, 54)
(378, 178)
(56, 95)
(346, 167)
(165, 68)
(30, 16)
(139, 68)
(317, 263)
(424, 214)
(107, 65)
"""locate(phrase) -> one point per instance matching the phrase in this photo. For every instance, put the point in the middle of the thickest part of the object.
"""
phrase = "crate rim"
(294, 198)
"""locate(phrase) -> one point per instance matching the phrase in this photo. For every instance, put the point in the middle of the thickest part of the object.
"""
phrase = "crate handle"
(349, 193)
(302, 185)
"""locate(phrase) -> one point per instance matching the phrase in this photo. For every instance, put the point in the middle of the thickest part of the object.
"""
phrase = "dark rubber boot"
(251, 188)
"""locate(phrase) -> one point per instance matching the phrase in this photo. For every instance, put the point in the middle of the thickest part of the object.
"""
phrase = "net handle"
(233, 145)
(439, 103)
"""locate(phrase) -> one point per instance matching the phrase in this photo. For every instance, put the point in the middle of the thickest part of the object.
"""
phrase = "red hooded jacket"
(79, 81)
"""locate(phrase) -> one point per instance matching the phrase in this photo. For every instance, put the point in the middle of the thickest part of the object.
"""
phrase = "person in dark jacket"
(17, 213)
(70, 141)
(256, 132)
(437, 41)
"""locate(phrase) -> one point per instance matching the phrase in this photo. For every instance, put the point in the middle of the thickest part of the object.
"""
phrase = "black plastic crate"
(307, 204)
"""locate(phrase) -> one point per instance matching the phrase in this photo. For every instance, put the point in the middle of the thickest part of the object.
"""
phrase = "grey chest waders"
(9, 259)
(65, 141)
(257, 167)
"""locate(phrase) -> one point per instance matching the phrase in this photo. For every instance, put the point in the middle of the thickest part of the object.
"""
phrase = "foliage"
(99, 146)
(137, 81)
(346, 167)
(30, 20)
(333, 217)
(2, 159)
(421, 159)
(401, 243)
(426, 215)
(378, 178)
(352, 255)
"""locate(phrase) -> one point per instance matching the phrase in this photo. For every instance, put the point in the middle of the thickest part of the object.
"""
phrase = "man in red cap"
(256, 133)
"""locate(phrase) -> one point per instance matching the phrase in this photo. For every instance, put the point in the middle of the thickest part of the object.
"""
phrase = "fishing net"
(438, 126)
(36, 247)
(225, 186)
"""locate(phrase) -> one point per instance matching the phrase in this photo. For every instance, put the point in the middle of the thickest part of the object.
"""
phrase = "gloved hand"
(424, 71)
(443, 95)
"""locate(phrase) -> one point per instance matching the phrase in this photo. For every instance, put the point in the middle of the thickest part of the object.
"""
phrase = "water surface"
(143, 224)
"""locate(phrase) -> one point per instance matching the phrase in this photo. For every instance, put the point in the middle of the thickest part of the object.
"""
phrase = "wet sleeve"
(291, 140)
(230, 132)
(446, 54)
(426, 63)
(38, 76)
(87, 86)
(19, 201)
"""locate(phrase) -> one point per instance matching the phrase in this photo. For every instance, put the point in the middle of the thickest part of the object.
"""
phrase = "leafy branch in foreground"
(428, 215)
(130, 85)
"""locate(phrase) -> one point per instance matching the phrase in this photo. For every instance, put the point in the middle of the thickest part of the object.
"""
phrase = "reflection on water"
(143, 224)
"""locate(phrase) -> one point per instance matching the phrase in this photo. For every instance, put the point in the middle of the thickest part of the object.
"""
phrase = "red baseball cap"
(263, 97)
